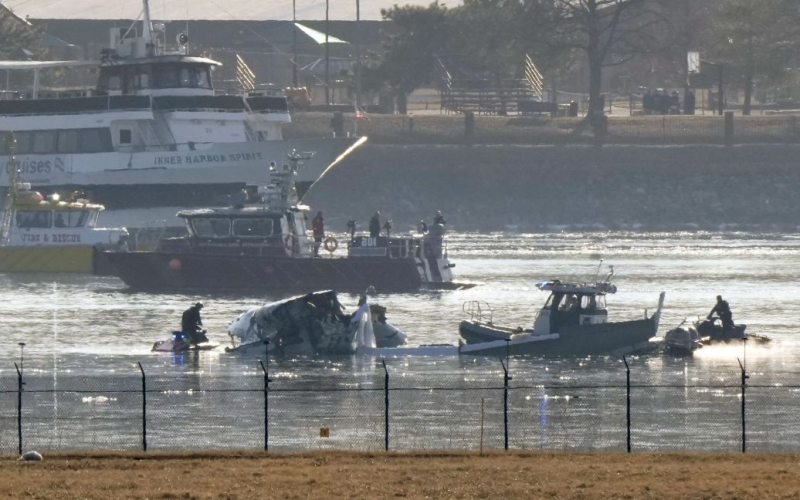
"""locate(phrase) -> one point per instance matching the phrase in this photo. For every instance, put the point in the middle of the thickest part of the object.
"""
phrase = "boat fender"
(290, 241)
(331, 244)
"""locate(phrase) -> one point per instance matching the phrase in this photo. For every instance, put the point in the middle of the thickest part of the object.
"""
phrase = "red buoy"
(175, 265)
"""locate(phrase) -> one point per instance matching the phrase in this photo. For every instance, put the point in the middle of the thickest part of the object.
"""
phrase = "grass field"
(345, 475)
(433, 128)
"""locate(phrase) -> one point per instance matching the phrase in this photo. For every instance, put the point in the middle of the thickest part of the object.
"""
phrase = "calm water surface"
(87, 322)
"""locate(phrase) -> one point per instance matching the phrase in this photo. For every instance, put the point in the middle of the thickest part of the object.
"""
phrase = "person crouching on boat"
(191, 325)
(318, 226)
(723, 310)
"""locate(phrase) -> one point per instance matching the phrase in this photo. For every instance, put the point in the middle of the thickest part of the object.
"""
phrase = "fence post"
(386, 406)
(144, 407)
(506, 380)
(469, 125)
(729, 128)
(745, 376)
(628, 400)
(266, 405)
(20, 383)
(267, 380)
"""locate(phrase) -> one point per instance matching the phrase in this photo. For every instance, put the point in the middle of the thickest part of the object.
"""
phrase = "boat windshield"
(212, 228)
(593, 302)
(70, 218)
(34, 218)
(252, 228)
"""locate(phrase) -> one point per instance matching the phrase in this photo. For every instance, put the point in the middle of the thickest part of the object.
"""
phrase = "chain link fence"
(387, 408)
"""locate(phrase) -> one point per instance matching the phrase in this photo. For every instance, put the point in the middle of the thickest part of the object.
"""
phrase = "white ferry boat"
(153, 132)
(48, 234)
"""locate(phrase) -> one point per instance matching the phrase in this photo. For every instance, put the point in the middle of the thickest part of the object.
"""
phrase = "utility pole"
(721, 98)
(358, 66)
(327, 56)
(294, 43)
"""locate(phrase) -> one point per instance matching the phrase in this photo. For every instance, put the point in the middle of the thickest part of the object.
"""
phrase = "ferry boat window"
(252, 228)
(125, 136)
(34, 218)
(114, 83)
(212, 228)
(95, 140)
(166, 76)
(70, 218)
(67, 141)
(203, 81)
(44, 141)
(24, 142)
(186, 77)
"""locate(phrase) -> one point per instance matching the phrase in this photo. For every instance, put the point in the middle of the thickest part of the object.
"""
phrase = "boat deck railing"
(478, 310)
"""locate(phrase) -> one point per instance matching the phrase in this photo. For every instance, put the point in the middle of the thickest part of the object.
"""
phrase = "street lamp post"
(358, 52)
(294, 43)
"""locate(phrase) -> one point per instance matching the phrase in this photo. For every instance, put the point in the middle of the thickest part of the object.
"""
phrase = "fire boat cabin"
(53, 235)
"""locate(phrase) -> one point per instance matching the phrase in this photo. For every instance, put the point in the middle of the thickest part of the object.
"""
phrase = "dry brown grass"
(377, 475)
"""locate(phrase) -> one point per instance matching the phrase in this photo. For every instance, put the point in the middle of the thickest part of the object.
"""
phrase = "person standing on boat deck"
(351, 228)
(191, 324)
(375, 225)
(388, 227)
(318, 227)
(723, 310)
(439, 218)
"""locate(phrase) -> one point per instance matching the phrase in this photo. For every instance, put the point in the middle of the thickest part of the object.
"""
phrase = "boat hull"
(581, 340)
(50, 259)
(160, 271)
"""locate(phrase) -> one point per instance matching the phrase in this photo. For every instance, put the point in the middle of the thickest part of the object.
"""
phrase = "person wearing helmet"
(191, 324)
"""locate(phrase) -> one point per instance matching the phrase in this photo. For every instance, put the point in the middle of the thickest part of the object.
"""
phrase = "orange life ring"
(331, 244)
(290, 242)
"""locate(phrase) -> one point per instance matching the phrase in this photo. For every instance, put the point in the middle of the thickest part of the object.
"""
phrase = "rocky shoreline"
(551, 188)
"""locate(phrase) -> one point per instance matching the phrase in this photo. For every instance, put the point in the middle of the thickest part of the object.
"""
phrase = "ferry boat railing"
(128, 102)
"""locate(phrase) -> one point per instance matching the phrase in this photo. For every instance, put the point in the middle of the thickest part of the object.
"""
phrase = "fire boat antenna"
(597, 274)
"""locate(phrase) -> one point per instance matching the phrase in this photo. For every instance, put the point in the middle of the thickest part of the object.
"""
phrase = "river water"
(84, 330)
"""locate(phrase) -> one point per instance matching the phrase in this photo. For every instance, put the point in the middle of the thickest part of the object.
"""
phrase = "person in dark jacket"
(723, 310)
(375, 225)
(191, 324)
(318, 228)
(351, 229)
(439, 218)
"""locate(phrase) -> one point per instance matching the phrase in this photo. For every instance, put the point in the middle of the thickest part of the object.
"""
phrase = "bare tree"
(757, 41)
(608, 32)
